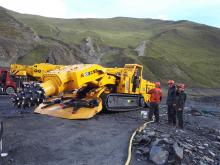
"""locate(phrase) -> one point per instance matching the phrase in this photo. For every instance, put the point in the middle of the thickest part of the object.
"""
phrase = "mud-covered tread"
(136, 99)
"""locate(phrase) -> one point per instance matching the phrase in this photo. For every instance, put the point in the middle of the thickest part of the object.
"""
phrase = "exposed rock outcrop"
(16, 39)
(141, 48)
(91, 50)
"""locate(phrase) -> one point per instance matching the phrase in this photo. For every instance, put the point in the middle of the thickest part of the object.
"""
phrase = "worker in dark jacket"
(136, 80)
(179, 103)
(47, 60)
(155, 99)
(170, 101)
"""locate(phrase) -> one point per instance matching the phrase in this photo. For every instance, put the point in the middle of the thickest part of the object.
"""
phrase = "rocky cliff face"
(20, 43)
(15, 38)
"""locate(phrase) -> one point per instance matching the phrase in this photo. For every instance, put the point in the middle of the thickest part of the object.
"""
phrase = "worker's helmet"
(157, 84)
(181, 86)
(170, 82)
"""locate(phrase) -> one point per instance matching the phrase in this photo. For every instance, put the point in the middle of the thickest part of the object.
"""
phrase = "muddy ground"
(33, 139)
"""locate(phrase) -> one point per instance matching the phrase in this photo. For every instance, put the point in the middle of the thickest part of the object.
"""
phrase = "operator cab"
(137, 75)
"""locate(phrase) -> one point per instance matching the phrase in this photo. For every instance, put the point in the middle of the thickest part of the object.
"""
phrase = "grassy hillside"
(182, 50)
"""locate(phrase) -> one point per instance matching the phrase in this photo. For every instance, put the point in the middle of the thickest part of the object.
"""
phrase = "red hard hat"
(157, 84)
(170, 82)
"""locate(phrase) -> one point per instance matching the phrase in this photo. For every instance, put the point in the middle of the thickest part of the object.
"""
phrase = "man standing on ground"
(180, 100)
(155, 99)
(170, 101)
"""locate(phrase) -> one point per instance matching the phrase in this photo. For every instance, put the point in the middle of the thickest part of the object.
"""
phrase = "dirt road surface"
(33, 139)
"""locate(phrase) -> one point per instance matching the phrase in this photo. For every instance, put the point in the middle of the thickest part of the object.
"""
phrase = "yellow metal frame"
(35, 71)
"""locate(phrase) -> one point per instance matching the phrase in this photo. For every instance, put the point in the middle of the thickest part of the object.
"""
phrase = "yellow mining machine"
(83, 90)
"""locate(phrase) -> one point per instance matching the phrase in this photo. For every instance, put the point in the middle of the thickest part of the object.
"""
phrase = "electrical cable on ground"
(131, 139)
(139, 129)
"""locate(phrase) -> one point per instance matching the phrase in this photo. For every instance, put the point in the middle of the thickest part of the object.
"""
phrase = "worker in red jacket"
(155, 99)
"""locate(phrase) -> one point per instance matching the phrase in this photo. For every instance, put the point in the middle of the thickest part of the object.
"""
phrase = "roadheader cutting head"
(80, 91)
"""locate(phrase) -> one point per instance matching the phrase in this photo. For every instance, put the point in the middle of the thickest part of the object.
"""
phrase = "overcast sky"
(202, 11)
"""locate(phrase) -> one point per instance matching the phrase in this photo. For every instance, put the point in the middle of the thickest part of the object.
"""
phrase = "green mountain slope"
(181, 50)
